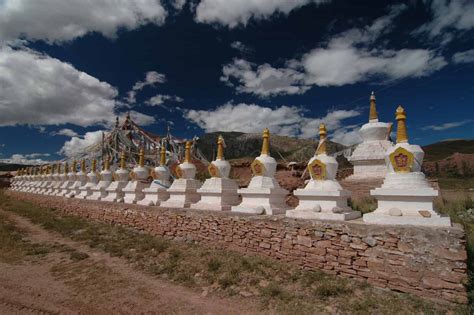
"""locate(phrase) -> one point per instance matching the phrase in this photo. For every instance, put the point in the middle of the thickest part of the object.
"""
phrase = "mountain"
(239, 145)
(7, 167)
(441, 150)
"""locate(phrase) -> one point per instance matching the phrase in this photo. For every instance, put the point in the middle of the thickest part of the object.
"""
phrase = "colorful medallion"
(213, 170)
(317, 170)
(179, 172)
(258, 169)
(402, 160)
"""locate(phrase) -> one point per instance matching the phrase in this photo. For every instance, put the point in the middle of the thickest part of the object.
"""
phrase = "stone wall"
(427, 262)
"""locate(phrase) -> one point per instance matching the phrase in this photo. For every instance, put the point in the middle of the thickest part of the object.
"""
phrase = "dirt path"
(98, 284)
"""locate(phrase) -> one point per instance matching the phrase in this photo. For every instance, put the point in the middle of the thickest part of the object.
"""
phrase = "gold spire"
(220, 148)
(83, 165)
(187, 153)
(163, 156)
(266, 142)
(122, 160)
(66, 168)
(58, 168)
(73, 166)
(141, 160)
(53, 169)
(322, 140)
(401, 117)
(94, 166)
(106, 162)
(373, 111)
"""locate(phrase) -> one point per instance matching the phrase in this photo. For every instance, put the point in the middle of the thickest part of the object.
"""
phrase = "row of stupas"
(405, 197)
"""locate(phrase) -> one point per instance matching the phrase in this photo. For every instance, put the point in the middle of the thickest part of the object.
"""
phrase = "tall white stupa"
(263, 195)
(158, 190)
(406, 197)
(369, 156)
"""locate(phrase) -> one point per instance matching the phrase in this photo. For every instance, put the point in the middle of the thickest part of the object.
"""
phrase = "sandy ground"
(99, 284)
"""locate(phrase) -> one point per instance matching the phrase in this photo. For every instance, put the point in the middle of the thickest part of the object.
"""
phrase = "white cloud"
(241, 47)
(139, 118)
(27, 159)
(59, 20)
(283, 120)
(178, 4)
(37, 89)
(448, 125)
(151, 79)
(159, 99)
(65, 132)
(77, 145)
(264, 80)
(464, 57)
(346, 58)
(234, 12)
(448, 16)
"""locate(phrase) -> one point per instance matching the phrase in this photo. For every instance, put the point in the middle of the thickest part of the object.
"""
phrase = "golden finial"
(53, 168)
(401, 117)
(74, 166)
(187, 153)
(66, 168)
(220, 148)
(58, 168)
(163, 156)
(266, 142)
(83, 165)
(373, 111)
(322, 140)
(122, 160)
(141, 160)
(106, 162)
(94, 166)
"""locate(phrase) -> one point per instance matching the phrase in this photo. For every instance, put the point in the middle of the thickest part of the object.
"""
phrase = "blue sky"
(67, 68)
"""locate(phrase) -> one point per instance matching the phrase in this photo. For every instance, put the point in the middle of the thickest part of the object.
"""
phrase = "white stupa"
(323, 197)
(133, 192)
(71, 179)
(81, 180)
(105, 179)
(369, 156)
(121, 177)
(263, 195)
(56, 177)
(183, 191)
(405, 198)
(23, 181)
(62, 178)
(47, 180)
(218, 192)
(158, 190)
(92, 180)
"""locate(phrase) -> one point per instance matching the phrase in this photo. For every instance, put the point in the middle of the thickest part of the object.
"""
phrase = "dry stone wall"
(427, 262)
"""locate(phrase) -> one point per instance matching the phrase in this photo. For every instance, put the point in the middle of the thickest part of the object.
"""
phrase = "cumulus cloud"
(232, 13)
(77, 145)
(464, 56)
(346, 58)
(37, 89)
(448, 16)
(59, 21)
(241, 47)
(151, 79)
(27, 159)
(263, 80)
(139, 118)
(283, 120)
(178, 4)
(446, 126)
(159, 99)
(65, 132)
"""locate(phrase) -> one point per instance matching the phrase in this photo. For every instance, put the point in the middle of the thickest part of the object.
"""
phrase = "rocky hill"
(248, 145)
(441, 150)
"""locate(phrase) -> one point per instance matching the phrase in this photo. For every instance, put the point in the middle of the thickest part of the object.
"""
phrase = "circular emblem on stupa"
(179, 172)
(317, 170)
(213, 170)
(402, 160)
(258, 169)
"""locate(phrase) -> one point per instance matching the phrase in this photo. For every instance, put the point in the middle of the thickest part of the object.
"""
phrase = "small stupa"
(71, 175)
(81, 180)
(323, 197)
(263, 195)
(56, 177)
(369, 156)
(121, 176)
(183, 191)
(92, 180)
(62, 178)
(218, 192)
(158, 190)
(134, 189)
(47, 180)
(105, 179)
(29, 180)
(405, 198)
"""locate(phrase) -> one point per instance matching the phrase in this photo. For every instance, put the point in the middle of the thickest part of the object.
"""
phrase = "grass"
(456, 183)
(279, 287)
(364, 205)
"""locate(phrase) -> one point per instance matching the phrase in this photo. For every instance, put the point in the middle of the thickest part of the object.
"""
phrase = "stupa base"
(133, 192)
(348, 214)
(154, 196)
(183, 193)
